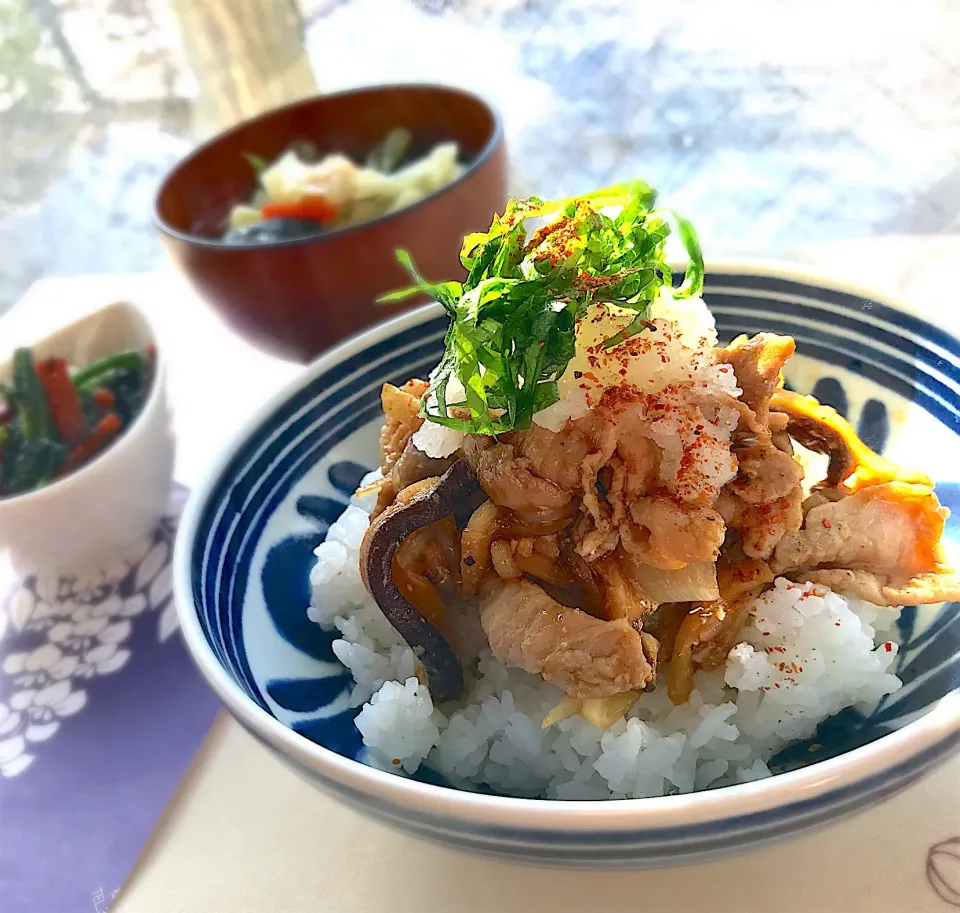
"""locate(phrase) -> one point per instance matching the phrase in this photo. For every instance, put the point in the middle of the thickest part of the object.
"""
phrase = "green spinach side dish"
(53, 420)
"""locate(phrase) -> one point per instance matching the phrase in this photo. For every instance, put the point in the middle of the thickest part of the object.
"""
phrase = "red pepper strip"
(103, 398)
(62, 398)
(312, 208)
(107, 428)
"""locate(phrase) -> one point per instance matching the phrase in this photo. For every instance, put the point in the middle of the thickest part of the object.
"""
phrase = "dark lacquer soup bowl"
(296, 298)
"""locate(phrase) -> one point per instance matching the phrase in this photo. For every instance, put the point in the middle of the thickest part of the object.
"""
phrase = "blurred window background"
(771, 124)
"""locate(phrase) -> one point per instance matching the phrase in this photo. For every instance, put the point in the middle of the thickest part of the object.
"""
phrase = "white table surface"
(245, 835)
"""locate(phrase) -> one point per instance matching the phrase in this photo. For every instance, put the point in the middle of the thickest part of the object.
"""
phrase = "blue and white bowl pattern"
(250, 534)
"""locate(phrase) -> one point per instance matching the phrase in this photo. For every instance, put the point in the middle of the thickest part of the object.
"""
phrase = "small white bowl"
(95, 514)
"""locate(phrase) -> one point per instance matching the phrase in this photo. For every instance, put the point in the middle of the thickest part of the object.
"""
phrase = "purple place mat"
(101, 712)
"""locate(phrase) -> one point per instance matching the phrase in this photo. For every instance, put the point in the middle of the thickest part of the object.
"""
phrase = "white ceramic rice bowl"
(245, 550)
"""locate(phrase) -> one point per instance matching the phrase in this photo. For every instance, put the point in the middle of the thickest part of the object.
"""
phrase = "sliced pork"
(583, 655)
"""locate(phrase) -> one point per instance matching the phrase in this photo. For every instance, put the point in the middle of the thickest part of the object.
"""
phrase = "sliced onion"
(693, 583)
(568, 707)
(603, 712)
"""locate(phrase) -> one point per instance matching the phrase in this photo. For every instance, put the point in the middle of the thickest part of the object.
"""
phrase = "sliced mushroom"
(431, 639)
(808, 425)
(415, 466)
(709, 630)
(824, 430)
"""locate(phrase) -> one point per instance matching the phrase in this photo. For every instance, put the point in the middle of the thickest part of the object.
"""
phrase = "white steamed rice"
(807, 654)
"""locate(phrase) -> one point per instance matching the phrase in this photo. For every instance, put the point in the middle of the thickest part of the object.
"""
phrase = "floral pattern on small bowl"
(58, 633)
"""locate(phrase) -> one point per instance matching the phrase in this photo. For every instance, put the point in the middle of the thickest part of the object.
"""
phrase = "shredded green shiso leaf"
(512, 321)
(258, 164)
